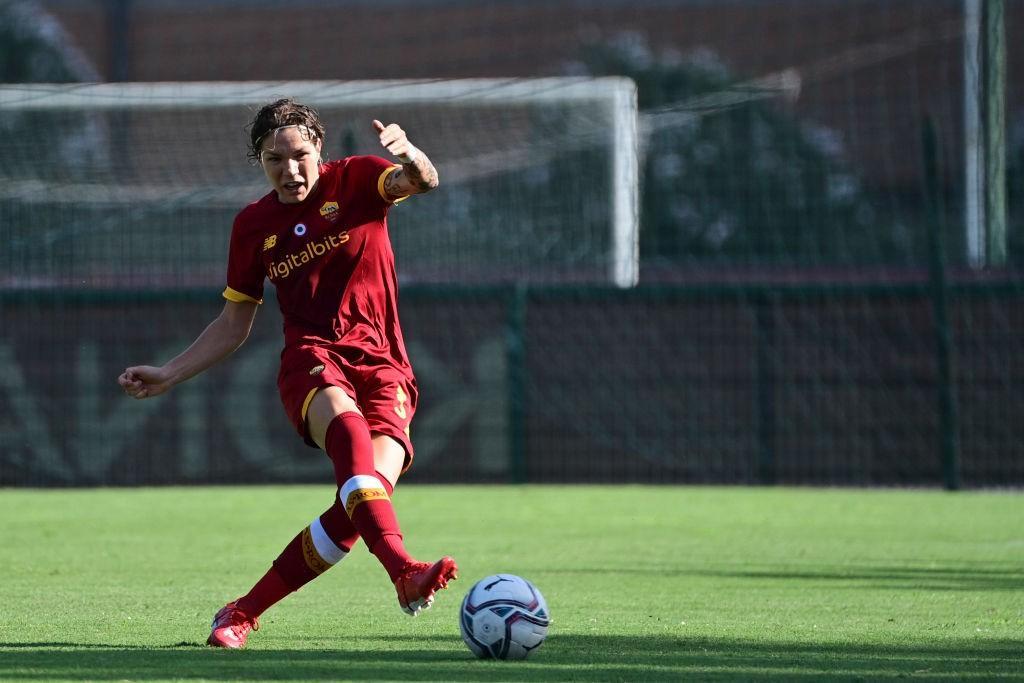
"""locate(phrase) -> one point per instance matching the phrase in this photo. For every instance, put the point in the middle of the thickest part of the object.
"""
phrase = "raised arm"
(417, 174)
(225, 334)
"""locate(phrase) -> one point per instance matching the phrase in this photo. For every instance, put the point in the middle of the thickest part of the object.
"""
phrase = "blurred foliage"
(33, 47)
(731, 174)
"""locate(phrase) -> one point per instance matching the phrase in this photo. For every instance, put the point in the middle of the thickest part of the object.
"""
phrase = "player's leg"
(418, 581)
(331, 536)
(345, 435)
(319, 546)
(389, 399)
(338, 427)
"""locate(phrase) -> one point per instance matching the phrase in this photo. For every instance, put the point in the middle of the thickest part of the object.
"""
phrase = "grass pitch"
(643, 583)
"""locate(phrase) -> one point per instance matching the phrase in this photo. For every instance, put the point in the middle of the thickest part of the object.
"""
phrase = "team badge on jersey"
(299, 229)
(329, 211)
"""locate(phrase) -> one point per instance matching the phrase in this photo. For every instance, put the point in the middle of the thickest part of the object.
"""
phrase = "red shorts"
(385, 395)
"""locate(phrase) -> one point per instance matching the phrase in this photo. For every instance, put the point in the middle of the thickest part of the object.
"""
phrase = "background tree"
(731, 175)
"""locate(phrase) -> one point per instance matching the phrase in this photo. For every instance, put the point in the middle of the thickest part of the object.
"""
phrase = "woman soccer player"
(321, 238)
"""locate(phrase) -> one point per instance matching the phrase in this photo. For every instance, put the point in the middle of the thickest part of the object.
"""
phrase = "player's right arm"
(225, 334)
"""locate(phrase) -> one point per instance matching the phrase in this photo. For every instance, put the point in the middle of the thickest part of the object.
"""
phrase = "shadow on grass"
(897, 578)
(563, 657)
(942, 578)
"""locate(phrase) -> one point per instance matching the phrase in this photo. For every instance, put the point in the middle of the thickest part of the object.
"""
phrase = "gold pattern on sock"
(309, 553)
(361, 496)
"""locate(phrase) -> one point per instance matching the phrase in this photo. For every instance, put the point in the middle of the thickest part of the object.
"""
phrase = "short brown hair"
(283, 112)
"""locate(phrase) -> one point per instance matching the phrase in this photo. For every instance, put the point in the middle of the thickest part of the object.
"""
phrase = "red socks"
(362, 508)
(338, 526)
(316, 549)
(365, 494)
(267, 591)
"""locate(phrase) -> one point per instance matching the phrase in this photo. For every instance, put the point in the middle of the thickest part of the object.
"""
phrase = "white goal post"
(614, 99)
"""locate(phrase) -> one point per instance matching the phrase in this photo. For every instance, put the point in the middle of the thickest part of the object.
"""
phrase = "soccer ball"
(503, 616)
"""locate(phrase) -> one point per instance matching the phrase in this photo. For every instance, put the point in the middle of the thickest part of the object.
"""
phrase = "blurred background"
(690, 241)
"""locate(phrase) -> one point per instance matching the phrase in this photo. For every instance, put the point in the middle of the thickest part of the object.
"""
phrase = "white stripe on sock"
(331, 553)
(359, 481)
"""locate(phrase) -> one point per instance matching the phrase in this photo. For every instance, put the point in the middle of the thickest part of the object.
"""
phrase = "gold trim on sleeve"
(380, 186)
(239, 297)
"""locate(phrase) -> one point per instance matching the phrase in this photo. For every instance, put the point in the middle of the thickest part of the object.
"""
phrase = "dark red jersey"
(330, 259)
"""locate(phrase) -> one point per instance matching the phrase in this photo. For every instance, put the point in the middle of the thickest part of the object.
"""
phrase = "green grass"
(643, 583)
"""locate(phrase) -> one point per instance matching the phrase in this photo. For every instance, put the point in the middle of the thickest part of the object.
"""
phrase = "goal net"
(135, 185)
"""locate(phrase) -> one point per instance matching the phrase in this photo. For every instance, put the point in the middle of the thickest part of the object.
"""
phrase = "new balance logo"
(270, 242)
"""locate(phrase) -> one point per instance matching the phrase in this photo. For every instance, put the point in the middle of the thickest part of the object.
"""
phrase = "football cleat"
(419, 581)
(231, 626)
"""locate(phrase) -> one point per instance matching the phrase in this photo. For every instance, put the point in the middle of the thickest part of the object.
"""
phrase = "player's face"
(290, 159)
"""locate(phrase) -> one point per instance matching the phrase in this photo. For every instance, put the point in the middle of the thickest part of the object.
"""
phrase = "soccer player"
(321, 237)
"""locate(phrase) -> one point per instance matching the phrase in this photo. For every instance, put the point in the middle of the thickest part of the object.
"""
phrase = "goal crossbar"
(201, 94)
(616, 95)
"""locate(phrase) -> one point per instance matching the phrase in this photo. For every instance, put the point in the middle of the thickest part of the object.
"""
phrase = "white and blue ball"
(504, 617)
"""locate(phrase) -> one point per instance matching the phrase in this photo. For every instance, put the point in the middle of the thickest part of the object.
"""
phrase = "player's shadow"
(567, 656)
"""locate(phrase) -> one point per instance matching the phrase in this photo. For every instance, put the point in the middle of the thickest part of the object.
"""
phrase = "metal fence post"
(948, 420)
(515, 340)
(766, 414)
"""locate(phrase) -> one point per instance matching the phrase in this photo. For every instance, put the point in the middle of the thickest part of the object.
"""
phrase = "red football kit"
(331, 262)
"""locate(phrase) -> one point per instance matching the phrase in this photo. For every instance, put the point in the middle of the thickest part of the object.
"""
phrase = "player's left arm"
(417, 174)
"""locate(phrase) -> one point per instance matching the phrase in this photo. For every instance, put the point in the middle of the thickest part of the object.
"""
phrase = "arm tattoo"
(421, 172)
(390, 182)
(416, 177)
